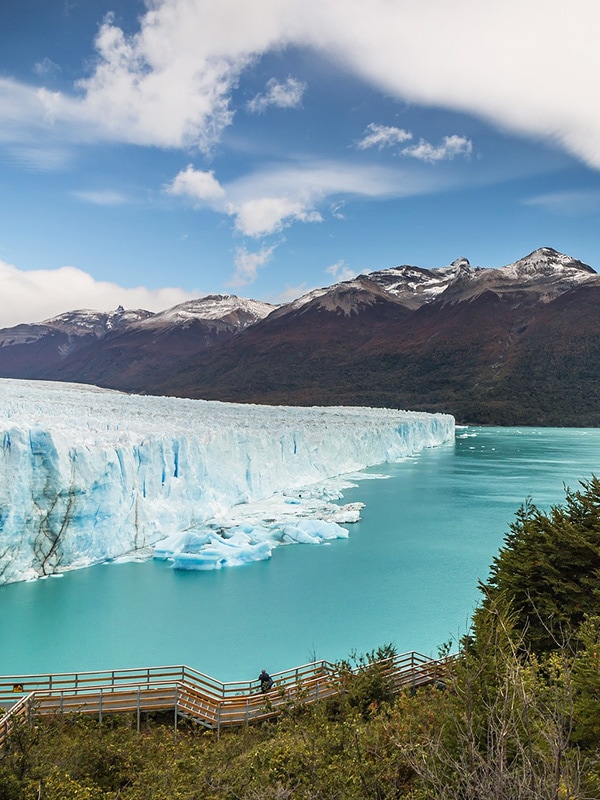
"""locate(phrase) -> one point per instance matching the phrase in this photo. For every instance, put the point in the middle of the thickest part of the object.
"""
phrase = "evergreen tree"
(548, 572)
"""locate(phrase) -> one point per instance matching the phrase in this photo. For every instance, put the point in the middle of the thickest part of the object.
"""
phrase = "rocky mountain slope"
(122, 349)
(514, 345)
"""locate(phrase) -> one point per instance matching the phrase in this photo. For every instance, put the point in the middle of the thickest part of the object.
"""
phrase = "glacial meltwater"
(407, 574)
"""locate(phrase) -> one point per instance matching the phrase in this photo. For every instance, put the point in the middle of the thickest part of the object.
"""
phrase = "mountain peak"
(461, 263)
(217, 309)
(82, 321)
(348, 297)
(546, 261)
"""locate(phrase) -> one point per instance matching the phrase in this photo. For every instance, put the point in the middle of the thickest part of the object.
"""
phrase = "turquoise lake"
(407, 574)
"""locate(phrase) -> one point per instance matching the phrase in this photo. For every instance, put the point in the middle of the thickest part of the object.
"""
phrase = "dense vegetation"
(517, 719)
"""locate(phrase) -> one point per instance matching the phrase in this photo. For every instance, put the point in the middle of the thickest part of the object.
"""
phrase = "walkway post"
(176, 709)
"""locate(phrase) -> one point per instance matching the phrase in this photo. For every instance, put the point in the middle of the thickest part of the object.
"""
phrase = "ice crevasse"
(90, 475)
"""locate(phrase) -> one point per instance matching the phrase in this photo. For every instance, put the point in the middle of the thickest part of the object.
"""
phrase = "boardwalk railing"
(20, 711)
(193, 695)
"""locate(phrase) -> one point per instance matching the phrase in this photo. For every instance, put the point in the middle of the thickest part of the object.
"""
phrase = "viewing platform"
(191, 695)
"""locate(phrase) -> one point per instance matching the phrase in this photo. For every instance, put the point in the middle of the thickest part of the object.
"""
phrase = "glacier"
(89, 475)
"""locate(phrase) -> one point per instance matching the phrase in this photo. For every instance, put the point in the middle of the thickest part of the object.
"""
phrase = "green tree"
(548, 571)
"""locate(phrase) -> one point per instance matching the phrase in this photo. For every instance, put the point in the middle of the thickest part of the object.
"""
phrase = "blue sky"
(151, 152)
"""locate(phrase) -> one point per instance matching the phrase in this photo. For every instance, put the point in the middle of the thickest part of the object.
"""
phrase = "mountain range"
(516, 345)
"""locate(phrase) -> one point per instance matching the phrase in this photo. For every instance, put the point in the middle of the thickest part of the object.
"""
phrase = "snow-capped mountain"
(82, 322)
(511, 345)
(544, 272)
(519, 344)
(348, 297)
(218, 311)
(95, 345)
(415, 286)
(548, 262)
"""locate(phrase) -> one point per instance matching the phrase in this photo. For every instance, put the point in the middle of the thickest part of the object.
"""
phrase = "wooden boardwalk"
(192, 695)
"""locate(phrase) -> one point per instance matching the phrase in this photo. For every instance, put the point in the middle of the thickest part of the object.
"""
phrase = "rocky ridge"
(512, 345)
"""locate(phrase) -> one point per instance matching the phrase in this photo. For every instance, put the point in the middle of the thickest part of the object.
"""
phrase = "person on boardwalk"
(265, 680)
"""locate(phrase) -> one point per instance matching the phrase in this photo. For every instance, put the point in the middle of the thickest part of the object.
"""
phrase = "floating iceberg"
(90, 475)
(249, 532)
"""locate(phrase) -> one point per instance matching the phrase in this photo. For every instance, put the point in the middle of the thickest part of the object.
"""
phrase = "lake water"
(407, 575)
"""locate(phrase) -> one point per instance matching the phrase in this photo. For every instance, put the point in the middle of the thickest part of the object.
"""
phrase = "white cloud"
(279, 95)
(168, 85)
(34, 295)
(269, 200)
(257, 213)
(517, 63)
(247, 264)
(267, 215)
(340, 271)
(198, 185)
(101, 197)
(383, 136)
(451, 147)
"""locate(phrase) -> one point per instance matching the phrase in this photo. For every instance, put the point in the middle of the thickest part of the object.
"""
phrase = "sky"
(155, 151)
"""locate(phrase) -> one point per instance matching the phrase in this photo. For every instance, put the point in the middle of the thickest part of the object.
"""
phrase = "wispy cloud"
(38, 128)
(39, 159)
(269, 200)
(305, 185)
(450, 147)
(46, 68)
(101, 197)
(247, 264)
(336, 209)
(279, 95)
(340, 271)
(568, 203)
(381, 136)
(34, 295)
(291, 293)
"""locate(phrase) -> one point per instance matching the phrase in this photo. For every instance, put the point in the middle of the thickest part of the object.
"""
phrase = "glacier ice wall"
(88, 475)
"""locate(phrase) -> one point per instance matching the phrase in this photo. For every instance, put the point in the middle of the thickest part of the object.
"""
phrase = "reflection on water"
(408, 573)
